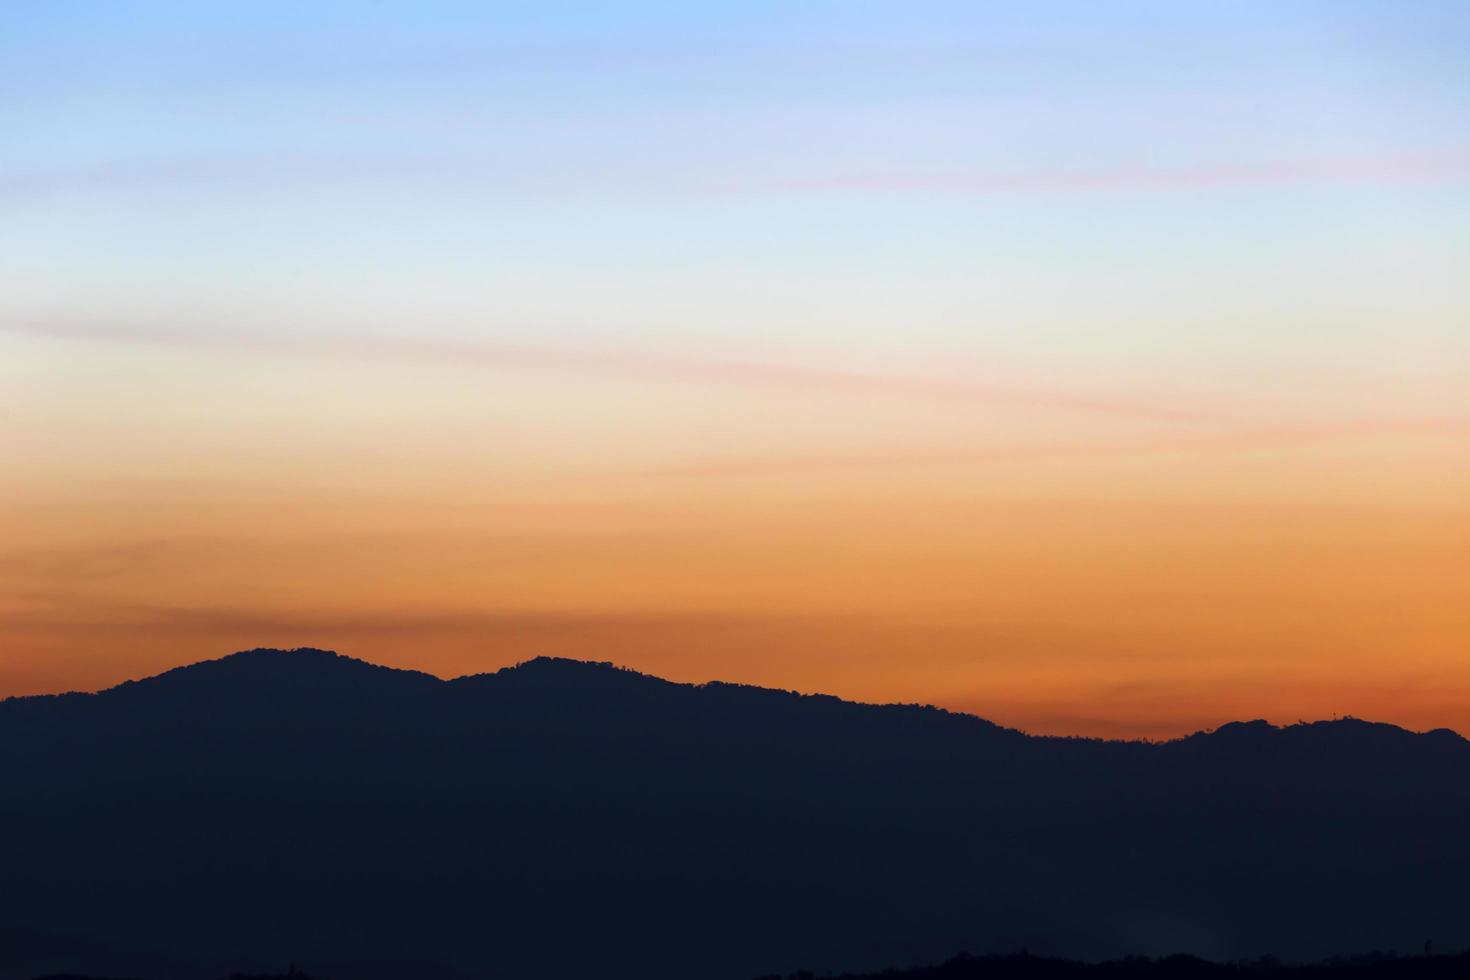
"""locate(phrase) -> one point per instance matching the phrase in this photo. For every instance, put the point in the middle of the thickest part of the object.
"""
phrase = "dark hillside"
(553, 818)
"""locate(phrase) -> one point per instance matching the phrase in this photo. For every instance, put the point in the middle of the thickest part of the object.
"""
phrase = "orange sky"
(1048, 564)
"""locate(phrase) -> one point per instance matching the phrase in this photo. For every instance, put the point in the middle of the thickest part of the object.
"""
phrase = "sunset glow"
(900, 371)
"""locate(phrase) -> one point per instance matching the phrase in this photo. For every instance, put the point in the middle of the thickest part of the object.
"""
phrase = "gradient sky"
(1098, 368)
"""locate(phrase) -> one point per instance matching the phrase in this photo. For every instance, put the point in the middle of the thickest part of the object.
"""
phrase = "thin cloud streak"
(1454, 165)
(102, 616)
(626, 363)
(1245, 439)
(497, 174)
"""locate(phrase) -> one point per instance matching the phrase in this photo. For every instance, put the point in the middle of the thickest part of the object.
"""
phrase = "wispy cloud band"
(1431, 167)
(1243, 438)
(624, 363)
(495, 175)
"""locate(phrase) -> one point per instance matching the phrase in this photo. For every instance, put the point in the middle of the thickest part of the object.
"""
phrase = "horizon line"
(696, 685)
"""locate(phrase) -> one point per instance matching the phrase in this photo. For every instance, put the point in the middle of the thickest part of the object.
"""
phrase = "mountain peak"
(1345, 732)
(563, 675)
(275, 672)
(546, 665)
(1238, 729)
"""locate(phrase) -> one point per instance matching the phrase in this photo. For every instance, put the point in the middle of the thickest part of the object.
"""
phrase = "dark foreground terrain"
(1374, 966)
(569, 820)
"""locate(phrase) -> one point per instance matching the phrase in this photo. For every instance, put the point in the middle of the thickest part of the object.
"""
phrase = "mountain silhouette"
(567, 819)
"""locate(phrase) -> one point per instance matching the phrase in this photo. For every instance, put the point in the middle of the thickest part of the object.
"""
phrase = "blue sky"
(616, 140)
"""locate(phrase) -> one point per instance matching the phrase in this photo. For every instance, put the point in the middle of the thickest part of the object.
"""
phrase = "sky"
(1098, 368)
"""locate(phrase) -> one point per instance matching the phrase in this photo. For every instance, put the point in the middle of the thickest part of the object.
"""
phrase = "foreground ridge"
(550, 819)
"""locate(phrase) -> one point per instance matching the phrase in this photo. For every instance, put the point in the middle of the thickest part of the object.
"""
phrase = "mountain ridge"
(562, 819)
(227, 669)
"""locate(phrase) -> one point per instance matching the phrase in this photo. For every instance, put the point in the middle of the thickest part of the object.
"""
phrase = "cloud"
(626, 363)
(1240, 439)
(1452, 165)
(59, 613)
(496, 175)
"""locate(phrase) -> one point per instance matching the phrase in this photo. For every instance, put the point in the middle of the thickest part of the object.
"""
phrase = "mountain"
(565, 819)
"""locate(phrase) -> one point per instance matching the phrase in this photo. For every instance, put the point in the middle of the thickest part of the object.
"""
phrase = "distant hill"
(1024, 966)
(566, 819)
(1372, 966)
